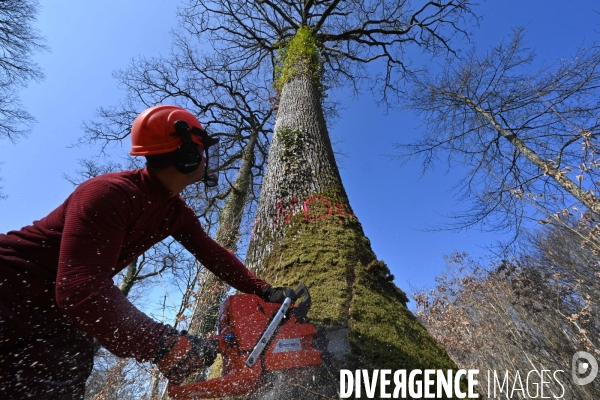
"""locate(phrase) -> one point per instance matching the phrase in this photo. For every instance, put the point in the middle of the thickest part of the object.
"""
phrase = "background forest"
(470, 158)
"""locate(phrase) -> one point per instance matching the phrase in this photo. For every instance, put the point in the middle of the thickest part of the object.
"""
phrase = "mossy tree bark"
(305, 231)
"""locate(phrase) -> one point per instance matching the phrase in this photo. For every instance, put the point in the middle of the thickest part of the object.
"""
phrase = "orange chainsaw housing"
(242, 320)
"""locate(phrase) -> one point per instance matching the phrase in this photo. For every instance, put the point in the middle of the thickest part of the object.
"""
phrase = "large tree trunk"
(305, 231)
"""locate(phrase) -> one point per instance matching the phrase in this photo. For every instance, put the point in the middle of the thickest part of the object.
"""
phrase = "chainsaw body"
(256, 337)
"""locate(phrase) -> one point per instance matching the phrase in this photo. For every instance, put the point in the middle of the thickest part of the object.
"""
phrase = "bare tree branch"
(525, 138)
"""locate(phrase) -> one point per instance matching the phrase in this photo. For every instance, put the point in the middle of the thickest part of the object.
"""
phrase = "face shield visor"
(211, 153)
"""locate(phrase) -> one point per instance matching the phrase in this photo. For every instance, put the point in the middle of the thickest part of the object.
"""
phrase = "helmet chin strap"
(187, 156)
(211, 152)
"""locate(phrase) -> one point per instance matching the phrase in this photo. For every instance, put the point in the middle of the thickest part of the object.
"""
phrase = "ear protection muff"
(187, 157)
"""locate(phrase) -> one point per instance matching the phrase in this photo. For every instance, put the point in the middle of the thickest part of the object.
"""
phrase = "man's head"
(171, 136)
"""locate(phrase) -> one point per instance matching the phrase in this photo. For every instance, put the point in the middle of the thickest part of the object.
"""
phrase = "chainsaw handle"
(222, 342)
(301, 310)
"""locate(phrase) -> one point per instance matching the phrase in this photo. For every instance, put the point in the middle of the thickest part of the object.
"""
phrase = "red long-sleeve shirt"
(104, 225)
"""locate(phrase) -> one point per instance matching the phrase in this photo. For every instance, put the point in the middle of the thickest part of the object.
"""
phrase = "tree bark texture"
(305, 231)
(300, 163)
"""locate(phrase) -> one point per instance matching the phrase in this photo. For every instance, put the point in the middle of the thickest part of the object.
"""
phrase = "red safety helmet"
(152, 130)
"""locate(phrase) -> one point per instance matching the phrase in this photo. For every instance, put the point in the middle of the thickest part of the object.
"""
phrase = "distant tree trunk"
(305, 231)
(153, 392)
(212, 291)
(129, 279)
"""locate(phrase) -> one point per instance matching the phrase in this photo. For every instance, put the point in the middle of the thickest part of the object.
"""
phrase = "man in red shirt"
(56, 275)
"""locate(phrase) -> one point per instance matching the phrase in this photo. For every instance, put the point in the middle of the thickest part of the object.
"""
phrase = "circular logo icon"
(584, 368)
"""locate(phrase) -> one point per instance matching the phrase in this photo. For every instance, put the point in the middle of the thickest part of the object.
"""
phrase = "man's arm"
(95, 219)
(220, 261)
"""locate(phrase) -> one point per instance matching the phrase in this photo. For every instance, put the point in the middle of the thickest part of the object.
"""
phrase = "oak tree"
(305, 230)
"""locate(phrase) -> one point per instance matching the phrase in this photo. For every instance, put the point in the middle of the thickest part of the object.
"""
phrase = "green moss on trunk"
(325, 247)
(383, 332)
(300, 56)
(322, 251)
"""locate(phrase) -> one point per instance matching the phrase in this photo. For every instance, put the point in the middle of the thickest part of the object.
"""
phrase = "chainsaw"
(256, 337)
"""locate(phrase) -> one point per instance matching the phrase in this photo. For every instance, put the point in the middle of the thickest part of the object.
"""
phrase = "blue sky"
(90, 40)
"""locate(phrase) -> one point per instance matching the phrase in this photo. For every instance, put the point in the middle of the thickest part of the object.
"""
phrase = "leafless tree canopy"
(527, 142)
(528, 139)
(18, 42)
(352, 33)
(230, 105)
(231, 90)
